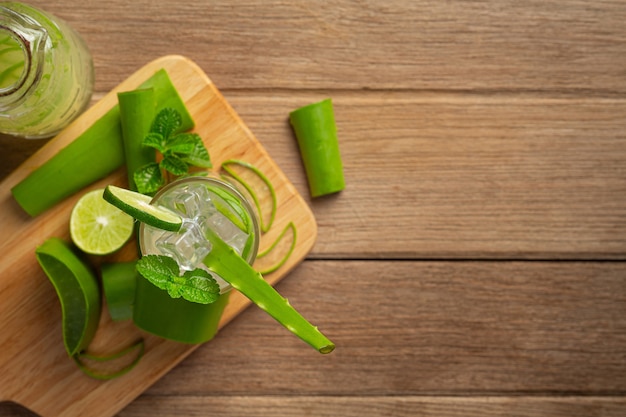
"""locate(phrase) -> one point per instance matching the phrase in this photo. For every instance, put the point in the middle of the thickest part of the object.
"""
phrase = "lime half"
(97, 227)
(138, 206)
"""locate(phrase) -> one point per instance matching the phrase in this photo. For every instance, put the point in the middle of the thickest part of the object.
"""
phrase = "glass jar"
(46, 72)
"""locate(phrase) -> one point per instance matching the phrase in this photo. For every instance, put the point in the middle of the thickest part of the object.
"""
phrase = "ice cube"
(225, 229)
(196, 200)
(189, 246)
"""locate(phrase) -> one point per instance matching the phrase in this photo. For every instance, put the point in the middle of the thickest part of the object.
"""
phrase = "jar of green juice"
(46, 72)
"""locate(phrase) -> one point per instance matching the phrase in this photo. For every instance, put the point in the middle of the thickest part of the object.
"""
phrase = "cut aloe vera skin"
(265, 225)
(316, 132)
(91, 156)
(138, 347)
(225, 262)
(294, 233)
(137, 111)
(119, 281)
(78, 292)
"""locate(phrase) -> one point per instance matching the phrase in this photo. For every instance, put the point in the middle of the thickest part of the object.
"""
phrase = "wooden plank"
(396, 44)
(438, 328)
(379, 406)
(462, 175)
(402, 406)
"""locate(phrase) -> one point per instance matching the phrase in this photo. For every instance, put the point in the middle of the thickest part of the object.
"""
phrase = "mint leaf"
(174, 286)
(149, 178)
(200, 287)
(166, 122)
(156, 141)
(183, 143)
(197, 286)
(179, 151)
(174, 164)
(199, 156)
(157, 269)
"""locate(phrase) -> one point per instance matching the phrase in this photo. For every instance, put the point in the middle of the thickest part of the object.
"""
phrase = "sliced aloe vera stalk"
(316, 133)
(119, 281)
(78, 292)
(91, 156)
(136, 115)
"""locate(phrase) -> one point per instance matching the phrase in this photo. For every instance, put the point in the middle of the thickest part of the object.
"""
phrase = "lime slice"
(97, 227)
(78, 292)
(138, 205)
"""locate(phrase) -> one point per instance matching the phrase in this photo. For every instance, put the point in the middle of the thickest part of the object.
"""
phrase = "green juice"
(11, 60)
(46, 72)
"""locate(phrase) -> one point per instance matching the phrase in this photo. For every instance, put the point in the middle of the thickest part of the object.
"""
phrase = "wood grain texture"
(396, 44)
(500, 124)
(400, 406)
(417, 327)
(284, 406)
(462, 175)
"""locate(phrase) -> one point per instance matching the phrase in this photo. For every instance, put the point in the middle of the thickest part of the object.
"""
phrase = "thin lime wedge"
(138, 206)
(78, 292)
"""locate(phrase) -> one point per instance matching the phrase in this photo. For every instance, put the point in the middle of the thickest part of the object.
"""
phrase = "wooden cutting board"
(35, 370)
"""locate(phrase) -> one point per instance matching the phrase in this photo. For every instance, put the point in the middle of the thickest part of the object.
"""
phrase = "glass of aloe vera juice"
(206, 205)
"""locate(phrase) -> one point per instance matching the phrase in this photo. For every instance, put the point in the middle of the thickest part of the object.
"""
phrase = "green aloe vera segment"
(137, 111)
(316, 132)
(268, 270)
(91, 156)
(226, 166)
(78, 292)
(119, 281)
(105, 375)
(176, 318)
(225, 262)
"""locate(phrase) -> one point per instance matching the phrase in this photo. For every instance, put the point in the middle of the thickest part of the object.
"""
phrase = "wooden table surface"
(474, 264)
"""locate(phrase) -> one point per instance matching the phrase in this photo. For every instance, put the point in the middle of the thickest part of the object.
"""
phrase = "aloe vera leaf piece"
(91, 156)
(157, 313)
(119, 281)
(294, 233)
(265, 226)
(105, 375)
(78, 292)
(225, 262)
(137, 111)
(316, 132)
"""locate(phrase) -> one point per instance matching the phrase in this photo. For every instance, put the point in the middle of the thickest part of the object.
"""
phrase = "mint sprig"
(197, 286)
(180, 151)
